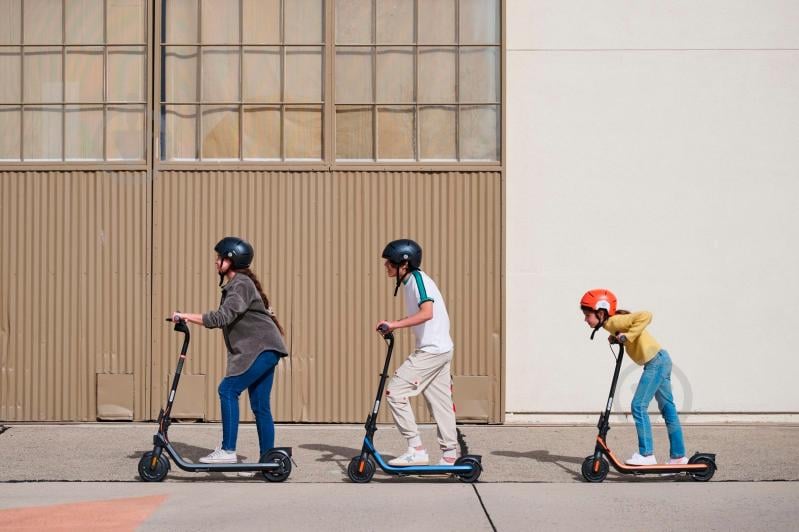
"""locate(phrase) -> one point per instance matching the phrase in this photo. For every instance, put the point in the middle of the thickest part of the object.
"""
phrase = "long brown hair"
(271, 313)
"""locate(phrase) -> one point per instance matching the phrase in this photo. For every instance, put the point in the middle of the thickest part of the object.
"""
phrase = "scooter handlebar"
(180, 325)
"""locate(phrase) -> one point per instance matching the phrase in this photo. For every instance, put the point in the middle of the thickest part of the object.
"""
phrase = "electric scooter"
(362, 467)
(701, 466)
(274, 465)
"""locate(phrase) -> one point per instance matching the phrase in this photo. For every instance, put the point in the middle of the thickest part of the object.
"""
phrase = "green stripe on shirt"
(420, 286)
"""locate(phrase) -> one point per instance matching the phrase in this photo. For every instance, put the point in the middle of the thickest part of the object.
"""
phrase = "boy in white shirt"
(427, 369)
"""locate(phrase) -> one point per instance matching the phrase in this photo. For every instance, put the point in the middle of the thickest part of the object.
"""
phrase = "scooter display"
(362, 468)
(701, 466)
(274, 465)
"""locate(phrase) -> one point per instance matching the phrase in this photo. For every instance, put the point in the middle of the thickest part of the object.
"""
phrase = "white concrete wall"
(653, 148)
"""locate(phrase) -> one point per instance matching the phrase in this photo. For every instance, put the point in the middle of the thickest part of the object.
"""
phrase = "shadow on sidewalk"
(546, 457)
(332, 453)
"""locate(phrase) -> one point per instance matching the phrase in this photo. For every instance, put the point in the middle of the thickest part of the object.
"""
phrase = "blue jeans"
(258, 381)
(656, 382)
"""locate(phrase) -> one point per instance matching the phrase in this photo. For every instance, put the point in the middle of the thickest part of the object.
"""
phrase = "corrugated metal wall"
(82, 331)
(318, 238)
(74, 291)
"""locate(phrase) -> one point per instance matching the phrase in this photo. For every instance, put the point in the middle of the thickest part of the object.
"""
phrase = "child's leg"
(402, 386)
(439, 399)
(667, 408)
(259, 392)
(647, 386)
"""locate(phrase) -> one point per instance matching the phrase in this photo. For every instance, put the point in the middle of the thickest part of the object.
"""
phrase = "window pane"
(303, 132)
(437, 21)
(180, 133)
(220, 74)
(180, 70)
(43, 22)
(354, 22)
(10, 13)
(220, 132)
(437, 132)
(83, 133)
(41, 134)
(84, 75)
(479, 21)
(124, 133)
(42, 75)
(304, 22)
(479, 128)
(437, 75)
(396, 133)
(354, 75)
(261, 77)
(181, 21)
(126, 19)
(10, 120)
(354, 133)
(395, 20)
(395, 75)
(220, 21)
(261, 21)
(83, 21)
(479, 76)
(304, 75)
(126, 74)
(10, 64)
(261, 130)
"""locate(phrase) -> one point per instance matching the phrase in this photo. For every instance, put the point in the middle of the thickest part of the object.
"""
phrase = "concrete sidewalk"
(531, 481)
(110, 451)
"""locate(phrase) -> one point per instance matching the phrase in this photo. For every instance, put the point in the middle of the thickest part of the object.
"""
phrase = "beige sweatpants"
(429, 374)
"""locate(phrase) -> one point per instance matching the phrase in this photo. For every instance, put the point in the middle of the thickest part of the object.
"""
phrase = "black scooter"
(362, 467)
(701, 466)
(274, 465)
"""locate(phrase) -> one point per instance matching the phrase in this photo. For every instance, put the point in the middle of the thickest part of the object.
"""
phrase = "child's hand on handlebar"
(384, 327)
(617, 339)
(177, 316)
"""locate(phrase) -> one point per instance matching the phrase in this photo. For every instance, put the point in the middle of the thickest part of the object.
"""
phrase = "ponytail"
(271, 313)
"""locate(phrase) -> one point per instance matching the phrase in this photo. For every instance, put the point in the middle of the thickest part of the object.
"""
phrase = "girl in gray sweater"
(254, 340)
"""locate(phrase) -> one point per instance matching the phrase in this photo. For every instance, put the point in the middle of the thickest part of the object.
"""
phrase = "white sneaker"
(637, 459)
(678, 461)
(451, 455)
(220, 456)
(412, 457)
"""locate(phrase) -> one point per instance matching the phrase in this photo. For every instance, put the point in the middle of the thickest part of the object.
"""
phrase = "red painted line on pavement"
(115, 514)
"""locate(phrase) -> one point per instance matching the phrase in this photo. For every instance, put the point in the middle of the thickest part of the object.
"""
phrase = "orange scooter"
(701, 466)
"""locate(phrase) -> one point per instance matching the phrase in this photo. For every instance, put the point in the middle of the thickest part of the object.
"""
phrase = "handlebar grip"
(382, 328)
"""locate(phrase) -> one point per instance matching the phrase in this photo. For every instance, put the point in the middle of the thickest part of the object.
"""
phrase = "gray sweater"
(247, 328)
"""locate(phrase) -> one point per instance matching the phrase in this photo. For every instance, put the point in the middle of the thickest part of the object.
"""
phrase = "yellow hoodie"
(640, 345)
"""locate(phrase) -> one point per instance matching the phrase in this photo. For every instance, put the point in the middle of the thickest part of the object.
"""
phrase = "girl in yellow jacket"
(629, 329)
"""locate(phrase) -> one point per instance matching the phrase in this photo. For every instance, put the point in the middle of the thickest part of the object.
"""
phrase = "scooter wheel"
(358, 474)
(281, 473)
(470, 476)
(707, 474)
(593, 473)
(149, 472)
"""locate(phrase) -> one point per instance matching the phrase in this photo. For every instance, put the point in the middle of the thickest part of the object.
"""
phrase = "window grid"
(375, 105)
(200, 103)
(64, 105)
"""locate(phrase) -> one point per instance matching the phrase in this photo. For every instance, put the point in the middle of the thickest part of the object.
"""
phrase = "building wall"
(652, 150)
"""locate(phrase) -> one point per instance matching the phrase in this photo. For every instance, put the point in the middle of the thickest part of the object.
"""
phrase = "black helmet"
(402, 250)
(239, 251)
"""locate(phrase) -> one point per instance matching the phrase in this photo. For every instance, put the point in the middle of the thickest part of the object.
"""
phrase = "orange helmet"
(599, 298)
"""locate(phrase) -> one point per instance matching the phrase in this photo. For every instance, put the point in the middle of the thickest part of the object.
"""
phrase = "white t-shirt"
(432, 336)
